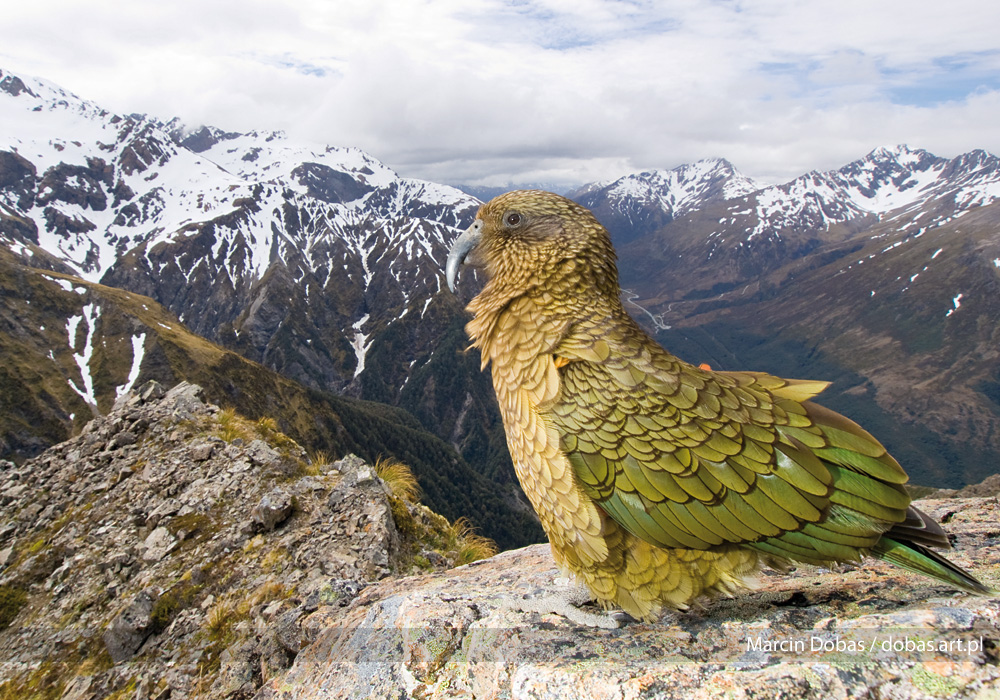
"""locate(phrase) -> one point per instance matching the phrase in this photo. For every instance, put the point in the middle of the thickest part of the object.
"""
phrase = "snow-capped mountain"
(725, 244)
(896, 180)
(319, 262)
(230, 231)
(127, 180)
(643, 202)
(88, 185)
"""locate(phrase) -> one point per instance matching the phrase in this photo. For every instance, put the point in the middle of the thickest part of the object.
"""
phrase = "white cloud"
(549, 90)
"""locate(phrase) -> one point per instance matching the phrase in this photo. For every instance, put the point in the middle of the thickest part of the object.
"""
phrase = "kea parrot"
(656, 481)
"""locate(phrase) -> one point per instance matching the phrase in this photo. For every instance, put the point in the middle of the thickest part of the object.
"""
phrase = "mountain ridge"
(756, 234)
(642, 202)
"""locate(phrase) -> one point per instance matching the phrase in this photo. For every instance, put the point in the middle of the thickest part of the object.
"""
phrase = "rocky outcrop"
(858, 632)
(173, 549)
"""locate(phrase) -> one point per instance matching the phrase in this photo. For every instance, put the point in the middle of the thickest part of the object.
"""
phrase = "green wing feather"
(687, 458)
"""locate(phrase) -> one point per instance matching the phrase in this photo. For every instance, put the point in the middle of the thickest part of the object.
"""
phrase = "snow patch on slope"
(138, 353)
(957, 303)
(91, 313)
(360, 344)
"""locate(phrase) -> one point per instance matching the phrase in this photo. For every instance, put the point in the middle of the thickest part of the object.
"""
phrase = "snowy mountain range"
(896, 179)
(897, 182)
(729, 231)
(318, 262)
(323, 264)
(203, 222)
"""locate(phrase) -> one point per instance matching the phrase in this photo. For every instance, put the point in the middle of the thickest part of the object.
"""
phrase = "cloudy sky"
(554, 91)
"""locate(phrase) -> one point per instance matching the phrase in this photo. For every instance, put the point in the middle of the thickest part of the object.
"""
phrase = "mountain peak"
(894, 150)
(13, 85)
(685, 185)
(642, 202)
(900, 154)
(717, 163)
(44, 93)
(199, 139)
(977, 159)
(699, 169)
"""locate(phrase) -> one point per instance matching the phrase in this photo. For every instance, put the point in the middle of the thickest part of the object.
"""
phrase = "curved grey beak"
(460, 250)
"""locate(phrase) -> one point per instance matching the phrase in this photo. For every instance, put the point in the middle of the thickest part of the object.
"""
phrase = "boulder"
(272, 510)
(130, 628)
(158, 544)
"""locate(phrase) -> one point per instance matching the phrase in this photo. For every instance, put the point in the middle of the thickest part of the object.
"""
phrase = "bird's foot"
(567, 603)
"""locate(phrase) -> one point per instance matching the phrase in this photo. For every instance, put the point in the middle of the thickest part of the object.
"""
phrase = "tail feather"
(920, 528)
(918, 558)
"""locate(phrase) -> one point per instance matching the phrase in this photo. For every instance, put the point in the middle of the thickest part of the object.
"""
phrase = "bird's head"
(526, 238)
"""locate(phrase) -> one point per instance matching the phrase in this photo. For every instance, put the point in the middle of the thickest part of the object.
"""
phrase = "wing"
(686, 458)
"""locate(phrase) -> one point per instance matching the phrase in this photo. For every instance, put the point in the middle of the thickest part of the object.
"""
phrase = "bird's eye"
(512, 219)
